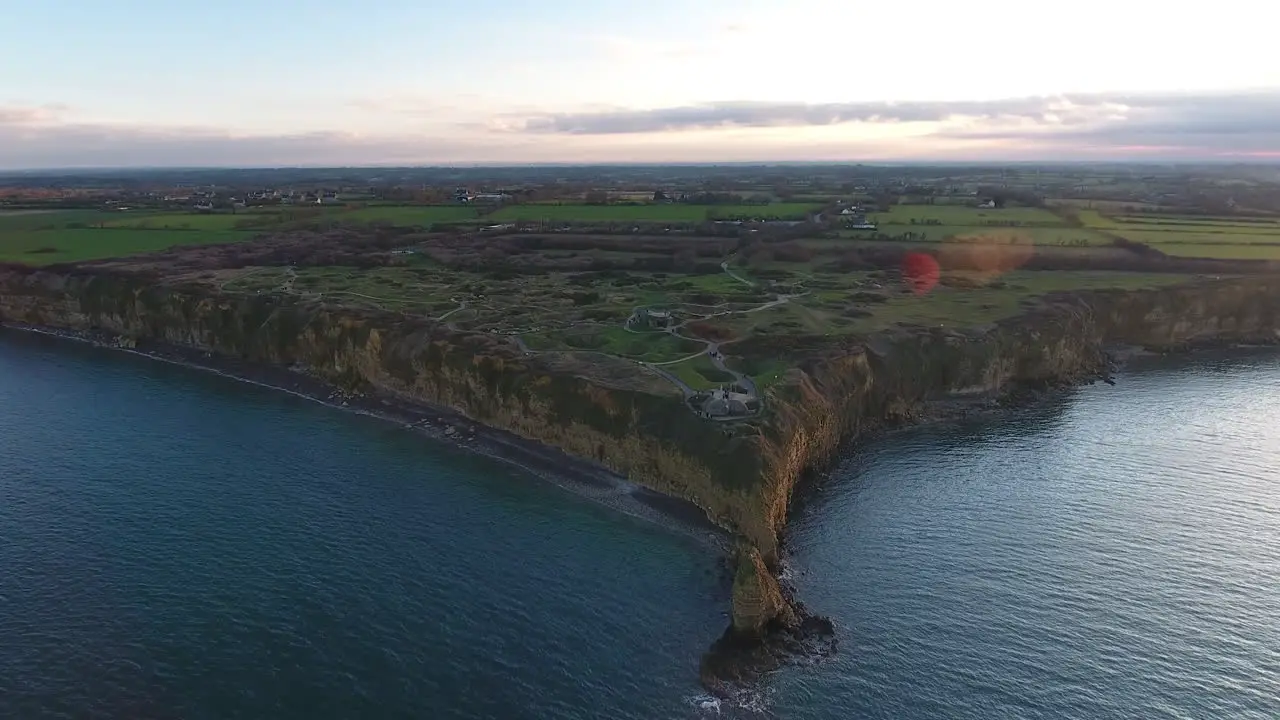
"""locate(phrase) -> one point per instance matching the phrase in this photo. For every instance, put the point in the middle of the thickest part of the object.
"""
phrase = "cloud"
(1059, 110)
(1235, 122)
(1209, 123)
(24, 144)
(31, 115)
(1094, 126)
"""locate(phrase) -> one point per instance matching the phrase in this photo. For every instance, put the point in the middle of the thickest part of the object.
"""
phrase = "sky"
(85, 83)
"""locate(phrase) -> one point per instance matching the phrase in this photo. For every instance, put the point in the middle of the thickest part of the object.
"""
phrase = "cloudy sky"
(85, 83)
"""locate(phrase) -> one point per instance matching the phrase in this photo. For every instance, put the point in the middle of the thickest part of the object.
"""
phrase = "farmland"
(417, 215)
(1229, 238)
(935, 223)
(678, 213)
(1243, 238)
(44, 238)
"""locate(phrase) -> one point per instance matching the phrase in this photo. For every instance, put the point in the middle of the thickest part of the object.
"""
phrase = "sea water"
(179, 545)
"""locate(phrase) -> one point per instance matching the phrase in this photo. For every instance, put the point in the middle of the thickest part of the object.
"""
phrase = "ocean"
(175, 544)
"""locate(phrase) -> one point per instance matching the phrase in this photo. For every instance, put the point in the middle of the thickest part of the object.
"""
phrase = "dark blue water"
(177, 545)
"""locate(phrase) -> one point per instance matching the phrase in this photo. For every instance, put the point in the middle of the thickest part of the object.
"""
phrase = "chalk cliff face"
(743, 478)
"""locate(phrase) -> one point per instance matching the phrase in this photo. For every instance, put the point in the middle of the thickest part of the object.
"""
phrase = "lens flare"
(920, 271)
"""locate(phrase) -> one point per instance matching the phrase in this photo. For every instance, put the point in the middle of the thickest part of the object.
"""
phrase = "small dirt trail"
(462, 305)
(710, 348)
(291, 276)
(725, 267)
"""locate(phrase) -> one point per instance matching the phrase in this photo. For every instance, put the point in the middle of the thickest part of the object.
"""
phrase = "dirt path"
(710, 348)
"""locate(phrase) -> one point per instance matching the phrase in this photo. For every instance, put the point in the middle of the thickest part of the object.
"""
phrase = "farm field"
(43, 247)
(650, 213)
(1039, 235)
(420, 215)
(184, 221)
(966, 216)
(937, 223)
(1193, 236)
(26, 220)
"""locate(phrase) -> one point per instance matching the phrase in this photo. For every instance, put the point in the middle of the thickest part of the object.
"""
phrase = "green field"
(957, 307)
(183, 221)
(1218, 250)
(1195, 236)
(42, 247)
(699, 373)
(1004, 225)
(41, 238)
(421, 215)
(23, 220)
(1039, 235)
(649, 213)
(960, 215)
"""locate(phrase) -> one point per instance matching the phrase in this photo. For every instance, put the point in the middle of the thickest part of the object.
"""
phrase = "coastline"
(836, 404)
(576, 475)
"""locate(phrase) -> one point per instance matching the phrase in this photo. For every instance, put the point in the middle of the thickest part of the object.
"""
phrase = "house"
(650, 319)
(489, 198)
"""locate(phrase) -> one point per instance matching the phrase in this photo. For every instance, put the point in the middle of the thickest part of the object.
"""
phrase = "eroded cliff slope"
(744, 475)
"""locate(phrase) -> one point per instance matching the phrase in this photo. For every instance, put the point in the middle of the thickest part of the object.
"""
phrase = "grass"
(421, 215)
(959, 215)
(24, 220)
(43, 247)
(1191, 236)
(654, 347)
(700, 373)
(957, 308)
(179, 221)
(648, 213)
(1038, 235)
(1221, 251)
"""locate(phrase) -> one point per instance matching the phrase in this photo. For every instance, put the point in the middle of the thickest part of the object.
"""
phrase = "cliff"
(743, 477)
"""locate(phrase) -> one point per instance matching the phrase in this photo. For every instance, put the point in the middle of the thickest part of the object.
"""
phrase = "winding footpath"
(711, 348)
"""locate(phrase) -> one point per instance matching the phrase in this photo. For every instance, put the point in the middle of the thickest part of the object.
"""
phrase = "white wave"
(708, 704)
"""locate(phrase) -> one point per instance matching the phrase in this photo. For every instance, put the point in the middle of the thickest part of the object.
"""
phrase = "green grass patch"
(959, 215)
(968, 307)
(1221, 251)
(654, 347)
(417, 215)
(675, 212)
(68, 245)
(178, 221)
(27, 220)
(700, 373)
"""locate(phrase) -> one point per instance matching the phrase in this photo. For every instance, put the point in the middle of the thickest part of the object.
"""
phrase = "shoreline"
(576, 475)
